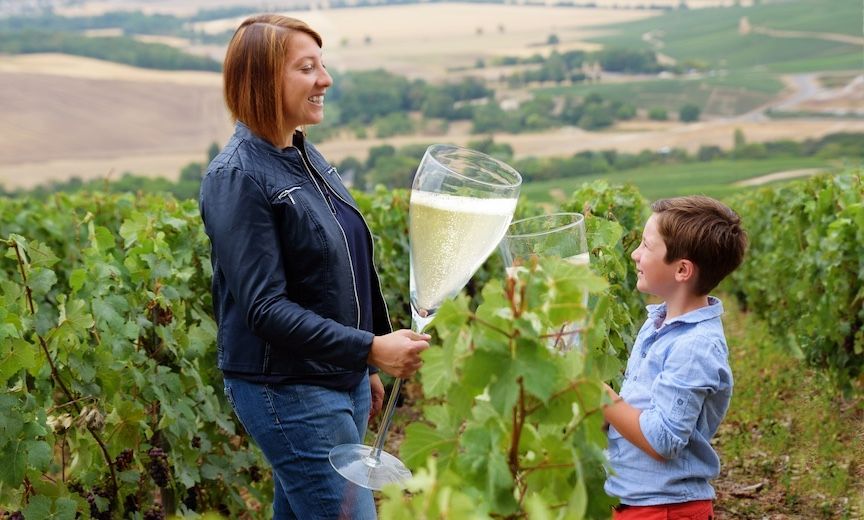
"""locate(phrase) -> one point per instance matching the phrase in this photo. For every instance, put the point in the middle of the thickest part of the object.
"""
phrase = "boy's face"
(655, 276)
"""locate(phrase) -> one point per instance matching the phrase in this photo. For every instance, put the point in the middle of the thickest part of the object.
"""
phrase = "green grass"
(788, 429)
(731, 94)
(711, 36)
(710, 178)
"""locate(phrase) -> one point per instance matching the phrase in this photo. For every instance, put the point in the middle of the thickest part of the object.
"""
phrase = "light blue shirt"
(678, 374)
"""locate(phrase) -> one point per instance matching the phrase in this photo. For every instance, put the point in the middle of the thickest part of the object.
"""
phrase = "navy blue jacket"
(284, 294)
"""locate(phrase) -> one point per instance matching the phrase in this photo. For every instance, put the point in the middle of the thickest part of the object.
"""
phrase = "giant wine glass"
(461, 204)
(560, 235)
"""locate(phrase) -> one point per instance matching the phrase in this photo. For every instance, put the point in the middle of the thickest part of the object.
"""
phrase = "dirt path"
(834, 37)
(778, 176)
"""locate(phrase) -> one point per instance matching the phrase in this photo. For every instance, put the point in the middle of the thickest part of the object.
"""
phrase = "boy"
(678, 382)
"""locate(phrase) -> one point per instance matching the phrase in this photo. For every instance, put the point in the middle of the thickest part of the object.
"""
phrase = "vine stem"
(55, 374)
(518, 422)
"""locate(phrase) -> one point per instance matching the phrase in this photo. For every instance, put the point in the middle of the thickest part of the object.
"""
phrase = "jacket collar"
(244, 132)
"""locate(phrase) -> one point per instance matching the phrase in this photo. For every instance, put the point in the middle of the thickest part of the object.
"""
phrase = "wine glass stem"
(417, 324)
(387, 419)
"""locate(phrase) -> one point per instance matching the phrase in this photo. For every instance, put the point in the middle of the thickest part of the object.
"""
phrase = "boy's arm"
(625, 419)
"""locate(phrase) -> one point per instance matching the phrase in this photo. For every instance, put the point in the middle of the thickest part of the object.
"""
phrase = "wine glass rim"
(432, 151)
(578, 221)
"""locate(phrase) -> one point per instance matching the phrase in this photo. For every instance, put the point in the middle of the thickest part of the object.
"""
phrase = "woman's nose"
(326, 79)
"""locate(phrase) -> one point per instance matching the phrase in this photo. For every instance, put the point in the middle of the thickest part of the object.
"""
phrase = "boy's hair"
(704, 231)
(254, 72)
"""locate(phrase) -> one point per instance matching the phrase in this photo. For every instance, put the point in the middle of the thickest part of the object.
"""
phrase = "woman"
(302, 322)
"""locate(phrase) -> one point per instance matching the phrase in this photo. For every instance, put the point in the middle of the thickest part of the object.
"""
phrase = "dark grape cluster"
(191, 498)
(17, 515)
(196, 442)
(124, 459)
(130, 504)
(154, 513)
(158, 466)
(254, 473)
(95, 514)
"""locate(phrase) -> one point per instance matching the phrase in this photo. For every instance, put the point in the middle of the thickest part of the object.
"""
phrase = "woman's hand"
(377, 388)
(398, 353)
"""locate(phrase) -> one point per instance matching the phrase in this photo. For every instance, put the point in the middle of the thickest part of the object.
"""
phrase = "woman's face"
(305, 82)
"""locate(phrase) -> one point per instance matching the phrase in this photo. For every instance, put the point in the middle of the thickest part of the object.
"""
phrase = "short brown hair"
(704, 231)
(254, 70)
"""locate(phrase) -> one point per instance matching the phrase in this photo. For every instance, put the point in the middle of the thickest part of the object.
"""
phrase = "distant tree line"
(383, 102)
(119, 49)
(569, 66)
(395, 168)
(130, 22)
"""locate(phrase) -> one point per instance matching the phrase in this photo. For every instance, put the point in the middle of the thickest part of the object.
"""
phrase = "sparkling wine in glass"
(560, 235)
(461, 204)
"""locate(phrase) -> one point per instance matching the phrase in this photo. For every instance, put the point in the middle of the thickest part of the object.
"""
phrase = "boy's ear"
(686, 270)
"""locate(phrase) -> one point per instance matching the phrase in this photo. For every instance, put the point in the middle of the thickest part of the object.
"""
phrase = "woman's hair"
(704, 231)
(254, 72)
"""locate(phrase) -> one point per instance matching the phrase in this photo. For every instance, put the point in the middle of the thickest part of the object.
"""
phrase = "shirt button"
(643, 354)
(680, 401)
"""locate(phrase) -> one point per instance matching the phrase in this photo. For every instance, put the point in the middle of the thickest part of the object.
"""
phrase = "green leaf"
(438, 372)
(537, 508)
(14, 463)
(450, 316)
(578, 502)
(39, 507)
(41, 281)
(39, 455)
(422, 441)
(103, 239)
(77, 278)
(16, 355)
(540, 374)
(74, 314)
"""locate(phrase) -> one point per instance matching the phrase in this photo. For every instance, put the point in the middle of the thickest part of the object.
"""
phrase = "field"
(425, 40)
(68, 116)
(716, 36)
(187, 7)
(717, 179)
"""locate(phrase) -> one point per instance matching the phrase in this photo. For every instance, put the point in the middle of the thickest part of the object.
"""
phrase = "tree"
(739, 139)
(689, 113)
(376, 153)
(438, 104)
(658, 114)
(212, 151)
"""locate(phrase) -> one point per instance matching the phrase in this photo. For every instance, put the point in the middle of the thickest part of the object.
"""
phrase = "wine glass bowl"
(461, 204)
(560, 235)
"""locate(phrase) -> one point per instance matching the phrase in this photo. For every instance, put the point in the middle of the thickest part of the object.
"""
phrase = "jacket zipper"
(371, 248)
(309, 169)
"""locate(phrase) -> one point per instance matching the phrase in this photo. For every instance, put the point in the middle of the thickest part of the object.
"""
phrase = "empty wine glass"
(560, 235)
(461, 204)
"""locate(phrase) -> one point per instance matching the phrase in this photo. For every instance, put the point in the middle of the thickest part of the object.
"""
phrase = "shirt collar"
(657, 312)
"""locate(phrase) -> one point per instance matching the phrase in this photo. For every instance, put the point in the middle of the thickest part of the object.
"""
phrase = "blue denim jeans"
(296, 426)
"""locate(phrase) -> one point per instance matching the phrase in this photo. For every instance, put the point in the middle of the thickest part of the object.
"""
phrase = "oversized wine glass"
(560, 235)
(461, 204)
